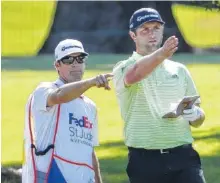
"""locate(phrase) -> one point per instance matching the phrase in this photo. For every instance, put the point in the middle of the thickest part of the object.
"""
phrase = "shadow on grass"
(213, 136)
(10, 174)
(113, 167)
(211, 133)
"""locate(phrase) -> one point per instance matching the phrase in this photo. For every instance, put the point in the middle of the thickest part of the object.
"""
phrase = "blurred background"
(32, 29)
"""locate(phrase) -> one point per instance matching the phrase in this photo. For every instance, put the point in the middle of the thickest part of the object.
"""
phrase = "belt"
(161, 151)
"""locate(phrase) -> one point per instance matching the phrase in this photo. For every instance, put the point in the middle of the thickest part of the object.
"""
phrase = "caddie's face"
(71, 68)
(149, 36)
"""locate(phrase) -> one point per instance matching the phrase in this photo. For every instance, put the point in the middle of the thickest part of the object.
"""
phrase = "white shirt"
(76, 136)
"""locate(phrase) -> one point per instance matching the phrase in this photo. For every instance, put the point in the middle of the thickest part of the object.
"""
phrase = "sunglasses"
(71, 59)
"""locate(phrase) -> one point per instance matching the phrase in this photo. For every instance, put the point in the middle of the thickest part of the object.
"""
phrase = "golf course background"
(21, 75)
(33, 28)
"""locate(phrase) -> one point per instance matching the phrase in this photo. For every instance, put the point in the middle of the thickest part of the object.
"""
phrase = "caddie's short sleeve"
(40, 96)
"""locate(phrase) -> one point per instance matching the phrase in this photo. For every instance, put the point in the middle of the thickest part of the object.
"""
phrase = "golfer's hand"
(191, 114)
(169, 47)
(103, 80)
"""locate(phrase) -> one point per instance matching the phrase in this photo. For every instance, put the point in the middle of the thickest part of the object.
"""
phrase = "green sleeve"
(190, 85)
(119, 72)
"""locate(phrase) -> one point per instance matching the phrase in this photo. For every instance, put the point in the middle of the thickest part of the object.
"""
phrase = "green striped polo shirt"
(143, 104)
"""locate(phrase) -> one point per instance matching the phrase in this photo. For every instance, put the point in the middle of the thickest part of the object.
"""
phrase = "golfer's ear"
(132, 35)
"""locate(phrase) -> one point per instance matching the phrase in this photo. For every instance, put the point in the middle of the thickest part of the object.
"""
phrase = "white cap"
(68, 46)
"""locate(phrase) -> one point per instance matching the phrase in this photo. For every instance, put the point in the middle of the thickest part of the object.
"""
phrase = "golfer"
(147, 85)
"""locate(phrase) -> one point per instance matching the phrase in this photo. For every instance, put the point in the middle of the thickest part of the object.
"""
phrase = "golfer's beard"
(150, 49)
(153, 48)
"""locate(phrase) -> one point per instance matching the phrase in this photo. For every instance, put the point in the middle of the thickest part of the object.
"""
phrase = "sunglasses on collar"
(71, 59)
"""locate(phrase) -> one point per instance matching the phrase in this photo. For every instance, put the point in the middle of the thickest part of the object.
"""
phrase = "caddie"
(61, 127)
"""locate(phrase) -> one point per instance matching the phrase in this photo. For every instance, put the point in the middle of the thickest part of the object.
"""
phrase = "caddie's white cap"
(68, 46)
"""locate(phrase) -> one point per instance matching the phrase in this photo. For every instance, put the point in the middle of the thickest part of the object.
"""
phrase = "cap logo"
(68, 47)
(131, 26)
(140, 18)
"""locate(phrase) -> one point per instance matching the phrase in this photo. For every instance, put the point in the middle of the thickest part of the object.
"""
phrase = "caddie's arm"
(95, 162)
(70, 91)
(148, 63)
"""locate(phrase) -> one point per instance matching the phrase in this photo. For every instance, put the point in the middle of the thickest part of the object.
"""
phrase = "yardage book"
(186, 103)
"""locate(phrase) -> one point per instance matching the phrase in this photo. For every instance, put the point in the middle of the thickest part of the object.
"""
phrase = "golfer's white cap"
(67, 47)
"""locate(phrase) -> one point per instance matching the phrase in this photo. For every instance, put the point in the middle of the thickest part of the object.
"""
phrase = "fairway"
(17, 85)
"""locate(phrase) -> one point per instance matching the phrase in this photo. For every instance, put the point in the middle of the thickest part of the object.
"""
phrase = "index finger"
(108, 75)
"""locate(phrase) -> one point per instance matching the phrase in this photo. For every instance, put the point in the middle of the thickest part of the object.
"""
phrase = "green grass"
(18, 84)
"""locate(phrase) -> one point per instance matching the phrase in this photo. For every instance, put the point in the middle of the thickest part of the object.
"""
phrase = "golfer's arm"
(69, 92)
(95, 163)
(197, 123)
(143, 67)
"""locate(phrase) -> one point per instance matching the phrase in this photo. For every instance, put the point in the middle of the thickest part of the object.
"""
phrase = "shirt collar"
(136, 56)
(59, 82)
